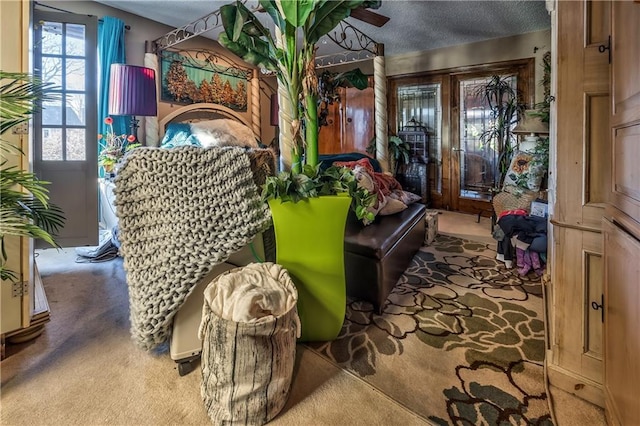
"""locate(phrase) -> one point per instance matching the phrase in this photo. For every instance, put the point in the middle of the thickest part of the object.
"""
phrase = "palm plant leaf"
(25, 210)
(20, 227)
(20, 94)
(12, 176)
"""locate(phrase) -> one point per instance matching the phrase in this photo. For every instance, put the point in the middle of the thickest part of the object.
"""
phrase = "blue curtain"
(110, 51)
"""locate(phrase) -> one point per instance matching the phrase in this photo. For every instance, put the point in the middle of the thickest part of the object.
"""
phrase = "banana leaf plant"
(25, 210)
(299, 25)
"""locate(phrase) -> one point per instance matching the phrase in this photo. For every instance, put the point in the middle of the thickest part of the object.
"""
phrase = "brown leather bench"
(377, 255)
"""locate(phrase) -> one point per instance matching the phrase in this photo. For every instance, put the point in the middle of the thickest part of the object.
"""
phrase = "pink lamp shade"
(132, 91)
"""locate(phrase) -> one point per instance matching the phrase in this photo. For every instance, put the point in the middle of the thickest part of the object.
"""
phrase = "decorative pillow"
(326, 160)
(363, 162)
(524, 172)
(365, 180)
(405, 196)
(392, 206)
(223, 132)
(178, 134)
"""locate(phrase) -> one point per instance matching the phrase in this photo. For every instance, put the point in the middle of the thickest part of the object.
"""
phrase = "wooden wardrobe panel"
(351, 123)
(359, 125)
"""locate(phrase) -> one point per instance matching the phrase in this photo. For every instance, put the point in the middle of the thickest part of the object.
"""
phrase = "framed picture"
(198, 76)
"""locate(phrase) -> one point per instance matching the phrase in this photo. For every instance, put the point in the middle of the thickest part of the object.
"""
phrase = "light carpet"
(460, 342)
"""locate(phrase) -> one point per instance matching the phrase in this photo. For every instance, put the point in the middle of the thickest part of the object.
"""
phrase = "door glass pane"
(76, 115)
(479, 148)
(421, 104)
(52, 38)
(75, 40)
(52, 113)
(52, 70)
(76, 150)
(51, 144)
(75, 74)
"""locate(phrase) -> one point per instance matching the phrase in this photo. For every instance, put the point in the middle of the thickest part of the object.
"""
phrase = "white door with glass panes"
(65, 131)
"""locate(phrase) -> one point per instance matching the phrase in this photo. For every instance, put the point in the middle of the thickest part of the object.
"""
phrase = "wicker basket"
(513, 198)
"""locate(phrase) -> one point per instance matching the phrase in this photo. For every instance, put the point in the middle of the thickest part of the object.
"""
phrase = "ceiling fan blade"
(369, 17)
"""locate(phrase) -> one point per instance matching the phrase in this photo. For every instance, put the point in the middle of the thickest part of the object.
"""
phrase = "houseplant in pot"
(25, 209)
(113, 148)
(302, 219)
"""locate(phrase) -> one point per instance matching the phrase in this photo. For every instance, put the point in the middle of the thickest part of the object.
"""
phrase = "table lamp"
(132, 91)
(532, 126)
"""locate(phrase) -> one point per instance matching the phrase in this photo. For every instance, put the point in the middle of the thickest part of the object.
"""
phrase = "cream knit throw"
(180, 212)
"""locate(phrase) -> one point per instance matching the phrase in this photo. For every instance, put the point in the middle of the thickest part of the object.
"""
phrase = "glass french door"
(419, 105)
(462, 164)
(477, 154)
(475, 151)
(65, 130)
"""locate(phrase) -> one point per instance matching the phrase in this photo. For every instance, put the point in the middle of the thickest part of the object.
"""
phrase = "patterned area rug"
(460, 341)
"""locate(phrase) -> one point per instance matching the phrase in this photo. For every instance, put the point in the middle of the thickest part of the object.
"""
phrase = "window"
(479, 152)
(421, 104)
(61, 57)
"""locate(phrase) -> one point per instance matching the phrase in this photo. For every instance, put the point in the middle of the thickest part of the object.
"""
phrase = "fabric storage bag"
(248, 330)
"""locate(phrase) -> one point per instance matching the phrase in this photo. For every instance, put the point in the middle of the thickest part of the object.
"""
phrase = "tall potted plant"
(25, 210)
(310, 234)
(505, 109)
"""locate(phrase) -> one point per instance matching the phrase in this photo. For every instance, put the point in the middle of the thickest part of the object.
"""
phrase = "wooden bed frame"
(198, 112)
(364, 48)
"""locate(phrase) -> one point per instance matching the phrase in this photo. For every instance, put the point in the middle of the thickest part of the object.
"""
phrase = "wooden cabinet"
(351, 123)
(622, 223)
(622, 334)
(578, 192)
(595, 256)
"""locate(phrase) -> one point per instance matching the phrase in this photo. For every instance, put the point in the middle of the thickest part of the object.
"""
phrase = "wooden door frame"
(449, 198)
(73, 183)
(524, 69)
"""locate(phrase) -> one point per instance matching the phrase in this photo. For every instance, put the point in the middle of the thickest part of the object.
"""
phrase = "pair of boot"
(528, 260)
(507, 262)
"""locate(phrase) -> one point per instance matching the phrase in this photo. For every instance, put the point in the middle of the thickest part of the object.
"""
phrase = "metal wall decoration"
(195, 76)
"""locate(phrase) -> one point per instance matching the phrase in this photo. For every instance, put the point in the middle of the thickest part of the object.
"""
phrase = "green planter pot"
(310, 245)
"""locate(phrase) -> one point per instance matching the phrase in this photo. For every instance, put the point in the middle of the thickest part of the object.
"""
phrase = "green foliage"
(506, 110)
(328, 84)
(399, 150)
(25, 210)
(311, 182)
(543, 110)
(300, 23)
(18, 101)
(541, 152)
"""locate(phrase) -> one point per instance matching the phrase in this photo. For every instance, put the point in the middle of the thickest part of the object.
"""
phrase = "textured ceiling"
(414, 25)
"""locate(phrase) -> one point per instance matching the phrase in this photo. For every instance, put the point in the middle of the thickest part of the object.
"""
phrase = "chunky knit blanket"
(181, 211)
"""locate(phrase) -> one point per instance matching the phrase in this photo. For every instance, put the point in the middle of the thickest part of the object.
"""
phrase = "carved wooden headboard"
(199, 112)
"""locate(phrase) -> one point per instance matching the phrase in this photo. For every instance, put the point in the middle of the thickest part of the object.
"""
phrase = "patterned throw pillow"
(524, 172)
(178, 134)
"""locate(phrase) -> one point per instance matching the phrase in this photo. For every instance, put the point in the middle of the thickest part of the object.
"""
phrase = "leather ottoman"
(377, 255)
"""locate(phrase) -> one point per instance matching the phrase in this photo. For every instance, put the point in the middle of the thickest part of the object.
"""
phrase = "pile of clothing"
(524, 238)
